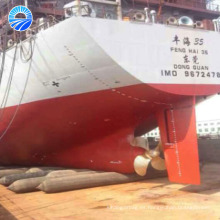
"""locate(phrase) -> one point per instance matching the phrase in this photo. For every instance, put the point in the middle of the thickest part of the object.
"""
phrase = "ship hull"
(90, 130)
(72, 104)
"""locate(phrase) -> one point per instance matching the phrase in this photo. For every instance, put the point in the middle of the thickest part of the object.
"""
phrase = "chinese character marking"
(176, 39)
(186, 59)
(186, 41)
(195, 60)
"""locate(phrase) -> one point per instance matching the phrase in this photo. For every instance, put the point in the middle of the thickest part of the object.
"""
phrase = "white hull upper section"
(145, 50)
(81, 55)
(66, 61)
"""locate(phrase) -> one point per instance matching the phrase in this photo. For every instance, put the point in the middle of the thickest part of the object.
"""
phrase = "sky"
(209, 109)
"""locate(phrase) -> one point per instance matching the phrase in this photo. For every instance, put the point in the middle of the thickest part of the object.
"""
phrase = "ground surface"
(150, 199)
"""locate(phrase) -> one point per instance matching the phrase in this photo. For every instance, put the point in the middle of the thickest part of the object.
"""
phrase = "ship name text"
(188, 50)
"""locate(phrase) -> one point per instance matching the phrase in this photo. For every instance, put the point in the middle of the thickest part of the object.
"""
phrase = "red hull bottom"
(91, 130)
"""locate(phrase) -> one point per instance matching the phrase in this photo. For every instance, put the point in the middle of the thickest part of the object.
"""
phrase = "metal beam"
(104, 2)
